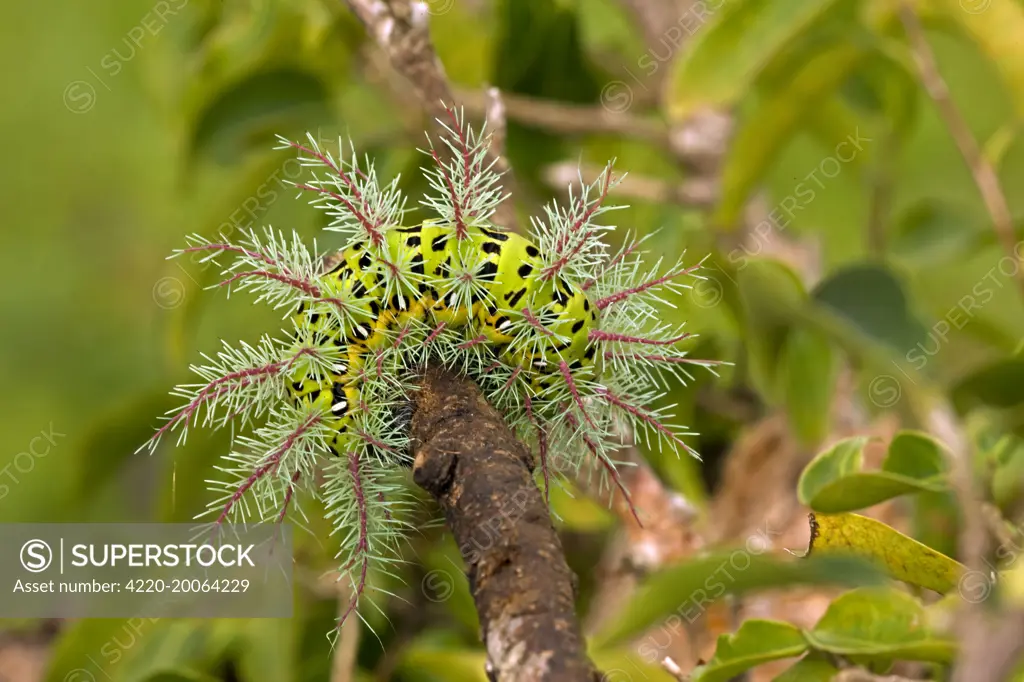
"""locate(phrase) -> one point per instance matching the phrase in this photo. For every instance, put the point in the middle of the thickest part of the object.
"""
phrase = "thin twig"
(673, 669)
(497, 120)
(881, 195)
(980, 644)
(698, 192)
(572, 119)
(989, 645)
(984, 173)
(860, 675)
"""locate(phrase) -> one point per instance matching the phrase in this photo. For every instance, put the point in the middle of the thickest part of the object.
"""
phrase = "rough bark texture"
(468, 459)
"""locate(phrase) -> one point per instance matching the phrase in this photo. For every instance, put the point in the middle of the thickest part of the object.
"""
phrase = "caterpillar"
(564, 337)
(510, 271)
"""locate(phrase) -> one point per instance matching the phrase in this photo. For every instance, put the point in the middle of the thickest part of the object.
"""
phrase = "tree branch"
(698, 192)
(469, 460)
(573, 119)
(401, 30)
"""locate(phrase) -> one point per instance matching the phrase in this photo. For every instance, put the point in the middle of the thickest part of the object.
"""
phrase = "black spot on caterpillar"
(499, 236)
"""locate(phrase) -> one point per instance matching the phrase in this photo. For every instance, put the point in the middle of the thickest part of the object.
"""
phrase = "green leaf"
(132, 649)
(756, 642)
(916, 455)
(811, 668)
(113, 439)
(445, 583)
(769, 125)
(425, 661)
(247, 114)
(769, 292)
(936, 521)
(579, 512)
(1008, 474)
(842, 459)
(1001, 141)
(881, 623)
(996, 26)
(887, 84)
(809, 372)
(933, 231)
(869, 297)
(833, 482)
(902, 557)
(622, 665)
(1000, 384)
(179, 676)
(685, 591)
(727, 54)
(1012, 583)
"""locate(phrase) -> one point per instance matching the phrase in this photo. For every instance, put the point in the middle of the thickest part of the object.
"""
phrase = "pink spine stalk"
(652, 357)
(561, 249)
(362, 546)
(468, 171)
(357, 206)
(479, 340)
(227, 383)
(536, 323)
(645, 417)
(231, 248)
(592, 446)
(599, 335)
(434, 334)
(511, 380)
(270, 465)
(603, 303)
(542, 447)
(567, 375)
(288, 496)
(305, 286)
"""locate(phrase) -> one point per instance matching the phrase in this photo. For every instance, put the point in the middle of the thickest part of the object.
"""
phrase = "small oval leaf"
(833, 482)
(879, 623)
(756, 642)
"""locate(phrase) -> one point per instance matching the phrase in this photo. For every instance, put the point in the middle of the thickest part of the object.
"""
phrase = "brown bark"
(468, 459)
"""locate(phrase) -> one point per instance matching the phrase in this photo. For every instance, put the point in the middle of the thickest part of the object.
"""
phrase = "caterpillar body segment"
(488, 283)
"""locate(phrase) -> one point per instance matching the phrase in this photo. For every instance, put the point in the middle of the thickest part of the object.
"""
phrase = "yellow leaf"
(904, 558)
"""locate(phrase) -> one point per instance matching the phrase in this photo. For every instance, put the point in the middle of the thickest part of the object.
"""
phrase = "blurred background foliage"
(132, 124)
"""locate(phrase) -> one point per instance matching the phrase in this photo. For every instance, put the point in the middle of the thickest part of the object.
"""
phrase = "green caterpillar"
(510, 269)
(565, 338)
